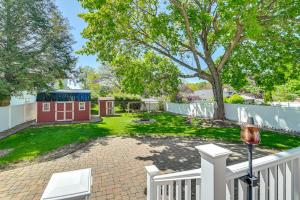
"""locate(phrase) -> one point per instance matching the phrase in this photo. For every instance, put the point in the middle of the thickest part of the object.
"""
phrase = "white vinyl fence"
(11, 116)
(205, 110)
(280, 118)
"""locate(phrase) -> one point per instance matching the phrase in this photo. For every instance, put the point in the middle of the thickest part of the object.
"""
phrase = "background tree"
(35, 46)
(199, 86)
(148, 76)
(202, 38)
(88, 77)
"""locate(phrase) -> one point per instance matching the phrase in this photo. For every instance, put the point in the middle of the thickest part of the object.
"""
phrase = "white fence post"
(213, 166)
(152, 170)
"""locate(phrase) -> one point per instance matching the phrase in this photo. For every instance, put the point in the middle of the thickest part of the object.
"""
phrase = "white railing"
(14, 115)
(174, 185)
(279, 178)
(280, 118)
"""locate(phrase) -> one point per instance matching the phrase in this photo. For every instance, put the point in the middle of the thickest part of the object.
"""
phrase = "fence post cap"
(152, 170)
(213, 151)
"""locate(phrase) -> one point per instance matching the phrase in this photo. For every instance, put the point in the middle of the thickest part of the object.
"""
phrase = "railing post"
(213, 167)
(152, 170)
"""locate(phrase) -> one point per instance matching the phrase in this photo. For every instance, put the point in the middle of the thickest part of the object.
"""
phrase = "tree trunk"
(217, 87)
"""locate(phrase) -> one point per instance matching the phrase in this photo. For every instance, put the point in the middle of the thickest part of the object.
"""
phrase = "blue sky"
(70, 10)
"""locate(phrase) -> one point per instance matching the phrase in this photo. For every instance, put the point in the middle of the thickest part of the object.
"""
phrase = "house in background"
(150, 104)
(207, 94)
(64, 105)
(23, 98)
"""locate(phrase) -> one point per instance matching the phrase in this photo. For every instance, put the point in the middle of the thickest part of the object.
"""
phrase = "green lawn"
(94, 109)
(36, 141)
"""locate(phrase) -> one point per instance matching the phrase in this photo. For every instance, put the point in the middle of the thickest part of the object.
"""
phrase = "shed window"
(81, 105)
(46, 107)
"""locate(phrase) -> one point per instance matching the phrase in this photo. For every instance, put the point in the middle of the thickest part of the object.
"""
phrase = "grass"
(35, 141)
(94, 109)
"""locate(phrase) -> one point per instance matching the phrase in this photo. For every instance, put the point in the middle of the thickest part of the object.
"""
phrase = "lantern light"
(250, 135)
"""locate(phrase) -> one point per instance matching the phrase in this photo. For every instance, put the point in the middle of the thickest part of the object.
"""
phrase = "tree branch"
(166, 54)
(188, 75)
(188, 30)
(236, 39)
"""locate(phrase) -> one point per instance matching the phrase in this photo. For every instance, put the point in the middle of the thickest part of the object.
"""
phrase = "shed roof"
(64, 95)
(106, 98)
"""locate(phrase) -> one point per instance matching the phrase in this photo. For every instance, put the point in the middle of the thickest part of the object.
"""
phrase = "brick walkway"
(117, 166)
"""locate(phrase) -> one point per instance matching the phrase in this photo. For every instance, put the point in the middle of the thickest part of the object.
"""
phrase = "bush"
(237, 99)
(4, 101)
(121, 100)
(161, 105)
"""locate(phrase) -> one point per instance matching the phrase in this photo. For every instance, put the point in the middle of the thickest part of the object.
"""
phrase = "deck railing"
(279, 178)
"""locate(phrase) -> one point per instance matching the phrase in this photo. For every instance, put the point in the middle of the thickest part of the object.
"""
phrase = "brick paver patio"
(117, 166)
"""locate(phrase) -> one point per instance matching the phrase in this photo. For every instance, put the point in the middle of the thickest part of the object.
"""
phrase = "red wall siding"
(45, 116)
(102, 107)
(81, 115)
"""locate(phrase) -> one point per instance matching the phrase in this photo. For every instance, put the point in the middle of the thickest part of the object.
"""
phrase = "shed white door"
(64, 111)
(109, 108)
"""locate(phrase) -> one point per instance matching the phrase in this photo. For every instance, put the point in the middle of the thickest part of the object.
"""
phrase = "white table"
(69, 185)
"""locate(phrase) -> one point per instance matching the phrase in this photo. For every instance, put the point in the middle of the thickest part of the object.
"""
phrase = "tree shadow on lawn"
(179, 153)
(164, 123)
(57, 140)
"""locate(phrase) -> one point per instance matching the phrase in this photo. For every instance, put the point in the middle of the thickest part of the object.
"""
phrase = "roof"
(71, 91)
(208, 93)
(64, 95)
(106, 98)
(150, 100)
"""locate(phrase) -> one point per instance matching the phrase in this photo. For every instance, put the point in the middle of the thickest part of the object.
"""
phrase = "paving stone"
(117, 166)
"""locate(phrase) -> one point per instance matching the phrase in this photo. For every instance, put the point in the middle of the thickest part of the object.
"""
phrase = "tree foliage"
(88, 78)
(199, 86)
(151, 75)
(247, 38)
(35, 46)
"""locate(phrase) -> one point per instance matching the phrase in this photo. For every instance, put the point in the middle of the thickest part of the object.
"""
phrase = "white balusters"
(281, 182)
(296, 179)
(198, 189)
(255, 189)
(230, 190)
(263, 188)
(273, 183)
(187, 190)
(289, 180)
(178, 190)
(242, 190)
(164, 192)
(171, 190)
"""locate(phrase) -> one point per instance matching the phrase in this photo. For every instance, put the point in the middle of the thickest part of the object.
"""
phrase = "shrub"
(121, 100)
(237, 99)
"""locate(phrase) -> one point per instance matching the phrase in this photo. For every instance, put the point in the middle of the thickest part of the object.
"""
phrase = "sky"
(70, 10)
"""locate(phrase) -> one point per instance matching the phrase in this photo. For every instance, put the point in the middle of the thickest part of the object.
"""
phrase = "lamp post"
(250, 135)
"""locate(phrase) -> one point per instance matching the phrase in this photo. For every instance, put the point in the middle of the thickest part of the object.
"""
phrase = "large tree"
(35, 46)
(199, 36)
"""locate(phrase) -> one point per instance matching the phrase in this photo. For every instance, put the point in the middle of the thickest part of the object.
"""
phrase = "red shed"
(106, 106)
(64, 105)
